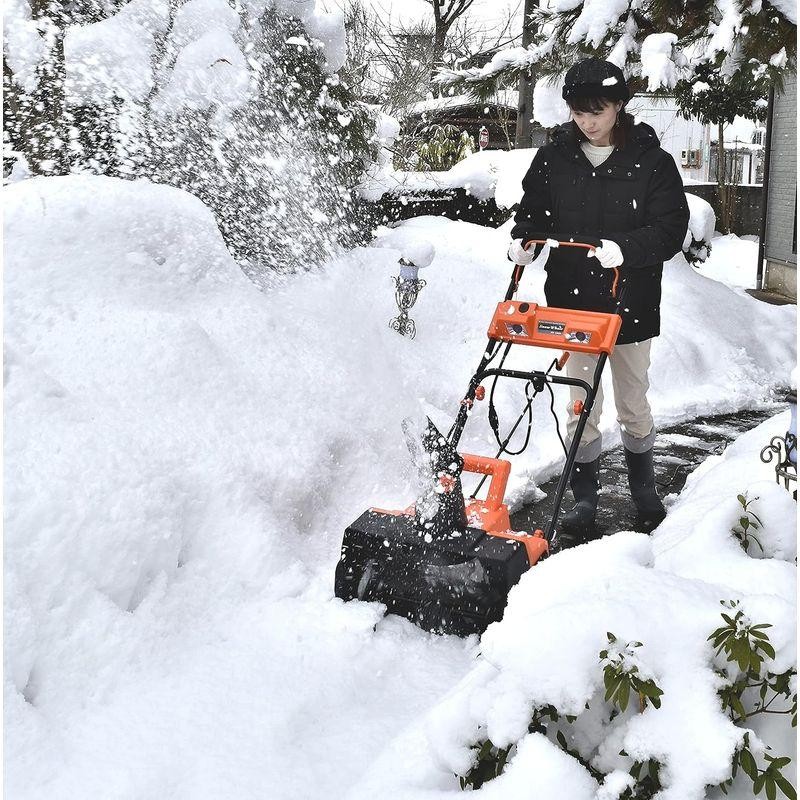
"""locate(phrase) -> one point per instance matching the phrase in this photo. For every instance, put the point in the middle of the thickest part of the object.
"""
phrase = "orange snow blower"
(448, 563)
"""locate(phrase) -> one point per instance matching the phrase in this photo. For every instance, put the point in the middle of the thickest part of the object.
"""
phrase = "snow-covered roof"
(505, 97)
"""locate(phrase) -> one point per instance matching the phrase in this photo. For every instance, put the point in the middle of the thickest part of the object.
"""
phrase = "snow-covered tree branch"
(657, 43)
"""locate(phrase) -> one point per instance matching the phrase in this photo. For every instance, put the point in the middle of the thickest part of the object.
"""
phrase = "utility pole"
(524, 137)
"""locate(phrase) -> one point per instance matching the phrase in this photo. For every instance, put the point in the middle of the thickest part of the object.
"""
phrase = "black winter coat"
(634, 198)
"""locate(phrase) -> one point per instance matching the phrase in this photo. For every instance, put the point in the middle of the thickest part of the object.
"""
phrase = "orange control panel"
(560, 328)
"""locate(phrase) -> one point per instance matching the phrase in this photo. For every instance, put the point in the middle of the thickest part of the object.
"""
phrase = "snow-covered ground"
(664, 592)
(183, 452)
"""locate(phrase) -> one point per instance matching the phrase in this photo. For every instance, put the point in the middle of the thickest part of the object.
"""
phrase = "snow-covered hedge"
(497, 175)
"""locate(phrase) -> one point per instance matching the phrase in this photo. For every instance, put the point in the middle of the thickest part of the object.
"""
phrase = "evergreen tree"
(39, 125)
(658, 42)
(242, 113)
(279, 171)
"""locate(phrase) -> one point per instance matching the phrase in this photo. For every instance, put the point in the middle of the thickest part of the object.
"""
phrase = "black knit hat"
(595, 78)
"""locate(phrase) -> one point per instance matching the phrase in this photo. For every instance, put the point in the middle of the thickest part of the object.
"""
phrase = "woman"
(602, 176)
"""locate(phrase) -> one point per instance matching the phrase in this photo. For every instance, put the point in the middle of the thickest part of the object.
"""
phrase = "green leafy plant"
(746, 646)
(622, 680)
(743, 643)
(621, 676)
(747, 523)
(648, 783)
(768, 780)
(445, 148)
(490, 761)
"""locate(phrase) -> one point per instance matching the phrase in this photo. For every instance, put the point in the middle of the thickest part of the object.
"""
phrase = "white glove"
(519, 255)
(609, 255)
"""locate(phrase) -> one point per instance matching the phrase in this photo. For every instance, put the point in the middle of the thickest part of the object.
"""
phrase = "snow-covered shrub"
(624, 675)
(702, 221)
(747, 688)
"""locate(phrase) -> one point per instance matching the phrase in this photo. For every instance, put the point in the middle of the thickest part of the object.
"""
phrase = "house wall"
(780, 246)
(675, 132)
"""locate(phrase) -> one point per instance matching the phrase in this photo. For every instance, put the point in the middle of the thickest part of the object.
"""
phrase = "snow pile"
(112, 58)
(702, 219)
(183, 453)
(327, 28)
(664, 592)
(211, 71)
(595, 20)
(195, 18)
(733, 260)
(659, 62)
(477, 174)
(380, 176)
(419, 253)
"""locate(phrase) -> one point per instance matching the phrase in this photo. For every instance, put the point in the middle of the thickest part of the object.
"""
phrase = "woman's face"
(597, 125)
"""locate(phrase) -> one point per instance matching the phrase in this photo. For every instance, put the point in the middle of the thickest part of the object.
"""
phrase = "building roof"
(509, 98)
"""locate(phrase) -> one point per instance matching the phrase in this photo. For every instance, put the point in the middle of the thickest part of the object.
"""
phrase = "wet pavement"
(679, 449)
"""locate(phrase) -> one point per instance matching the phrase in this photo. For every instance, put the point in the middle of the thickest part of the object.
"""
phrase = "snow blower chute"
(447, 563)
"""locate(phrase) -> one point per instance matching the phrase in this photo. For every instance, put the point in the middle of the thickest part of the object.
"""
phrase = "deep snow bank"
(180, 448)
(183, 452)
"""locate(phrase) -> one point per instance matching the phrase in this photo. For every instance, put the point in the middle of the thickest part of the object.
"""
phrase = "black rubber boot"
(642, 480)
(584, 482)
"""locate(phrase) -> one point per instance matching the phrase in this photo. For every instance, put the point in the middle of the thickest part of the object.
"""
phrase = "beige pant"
(629, 364)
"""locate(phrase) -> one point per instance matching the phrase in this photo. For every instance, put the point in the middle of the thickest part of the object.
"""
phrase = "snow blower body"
(448, 563)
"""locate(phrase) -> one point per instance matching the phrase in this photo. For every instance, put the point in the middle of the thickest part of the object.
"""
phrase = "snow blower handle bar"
(587, 243)
(562, 240)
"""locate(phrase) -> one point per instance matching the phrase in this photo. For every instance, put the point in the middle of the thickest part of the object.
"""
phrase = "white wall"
(675, 132)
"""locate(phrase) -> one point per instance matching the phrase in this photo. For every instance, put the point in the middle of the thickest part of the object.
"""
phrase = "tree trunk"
(439, 39)
(723, 189)
(524, 135)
